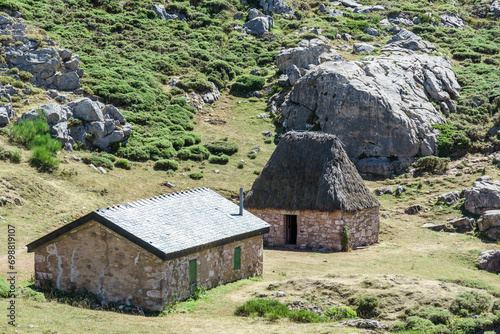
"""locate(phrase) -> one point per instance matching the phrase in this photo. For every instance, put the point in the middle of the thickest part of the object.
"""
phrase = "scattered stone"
(451, 21)
(93, 167)
(346, 37)
(483, 196)
(439, 227)
(462, 224)
(322, 8)
(163, 14)
(6, 113)
(280, 294)
(253, 13)
(199, 99)
(350, 3)
(399, 190)
(406, 39)
(493, 233)
(276, 7)
(262, 295)
(495, 8)
(371, 31)
(368, 9)
(259, 25)
(267, 133)
(383, 191)
(401, 19)
(489, 261)
(101, 169)
(449, 198)
(256, 149)
(335, 13)
(489, 219)
(362, 48)
(414, 209)
(168, 184)
(362, 323)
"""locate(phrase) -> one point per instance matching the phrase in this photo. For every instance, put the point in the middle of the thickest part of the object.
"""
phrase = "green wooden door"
(193, 268)
(237, 258)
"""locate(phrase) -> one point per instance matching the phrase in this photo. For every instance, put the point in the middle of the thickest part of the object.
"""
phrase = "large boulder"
(6, 113)
(489, 219)
(450, 198)
(495, 8)
(275, 6)
(350, 3)
(483, 196)
(451, 21)
(253, 13)
(489, 261)
(406, 39)
(308, 52)
(259, 25)
(362, 48)
(379, 108)
(199, 99)
(368, 9)
(86, 109)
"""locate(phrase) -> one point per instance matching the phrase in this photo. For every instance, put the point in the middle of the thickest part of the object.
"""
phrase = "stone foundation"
(116, 270)
(319, 229)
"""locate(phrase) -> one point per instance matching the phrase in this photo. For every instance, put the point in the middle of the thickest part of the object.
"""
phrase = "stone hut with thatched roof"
(311, 194)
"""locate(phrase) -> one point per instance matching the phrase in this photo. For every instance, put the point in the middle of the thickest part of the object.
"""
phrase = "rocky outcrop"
(462, 224)
(6, 114)
(51, 68)
(451, 21)
(489, 261)
(163, 14)
(379, 108)
(406, 39)
(401, 20)
(199, 99)
(295, 62)
(489, 219)
(259, 25)
(362, 48)
(495, 8)
(88, 122)
(483, 196)
(368, 9)
(350, 3)
(449, 198)
(275, 7)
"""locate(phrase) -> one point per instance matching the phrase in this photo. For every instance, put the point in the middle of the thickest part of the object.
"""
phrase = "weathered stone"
(293, 74)
(335, 13)
(112, 112)
(67, 81)
(114, 137)
(383, 191)
(322, 8)
(350, 3)
(483, 196)
(493, 234)
(401, 19)
(275, 6)
(451, 21)
(309, 52)
(489, 261)
(54, 113)
(60, 132)
(406, 39)
(462, 224)
(5, 20)
(449, 198)
(362, 48)
(368, 9)
(413, 210)
(400, 190)
(495, 8)
(375, 166)
(163, 14)
(439, 227)
(86, 109)
(362, 323)
(6, 114)
(199, 99)
(259, 25)
(489, 219)
(371, 31)
(253, 13)
(65, 54)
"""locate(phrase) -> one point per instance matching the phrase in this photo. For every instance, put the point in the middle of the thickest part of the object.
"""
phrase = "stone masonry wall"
(318, 229)
(115, 269)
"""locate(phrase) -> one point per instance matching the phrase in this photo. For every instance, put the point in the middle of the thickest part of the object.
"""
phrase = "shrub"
(176, 91)
(340, 313)
(219, 159)
(195, 152)
(43, 159)
(225, 147)
(123, 163)
(367, 306)
(495, 309)
(109, 156)
(25, 76)
(304, 316)
(450, 140)
(196, 176)
(4, 288)
(470, 302)
(252, 155)
(263, 308)
(419, 324)
(240, 164)
(135, 153)
(24, 132)
(432, 164)
(73, 122)
(98, 161)
(435, 314)
(15, 157)
(14, 70)
(166, 164)
(248, 83)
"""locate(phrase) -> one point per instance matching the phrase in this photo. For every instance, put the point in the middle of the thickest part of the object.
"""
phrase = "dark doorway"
(291, 229)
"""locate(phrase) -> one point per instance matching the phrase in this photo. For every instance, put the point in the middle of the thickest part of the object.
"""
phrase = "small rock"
(399, 190)
(280, 294)
(362, 48)
(449, 198)
(267, 133)
(413, 210)
(383, 191)
(261, 295)
(101, 169)
(168, 184)
(462, 224)
(489, 261)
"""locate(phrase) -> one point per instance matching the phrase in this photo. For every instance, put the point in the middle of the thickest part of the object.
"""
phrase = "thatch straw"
(310, 171)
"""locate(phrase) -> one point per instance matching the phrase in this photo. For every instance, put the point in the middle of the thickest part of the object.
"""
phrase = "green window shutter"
(192, 271)
(237, 258)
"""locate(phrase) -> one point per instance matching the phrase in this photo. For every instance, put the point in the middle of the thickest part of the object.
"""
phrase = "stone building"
(309, 191)
(151, 251)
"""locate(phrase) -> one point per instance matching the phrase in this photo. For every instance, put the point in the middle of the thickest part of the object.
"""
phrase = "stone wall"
(115, 269)
(319, 229)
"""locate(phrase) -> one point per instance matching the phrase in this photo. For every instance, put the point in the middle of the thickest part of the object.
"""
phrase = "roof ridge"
(154, 199)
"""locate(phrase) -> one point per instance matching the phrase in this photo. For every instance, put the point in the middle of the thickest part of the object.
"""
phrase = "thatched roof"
(310, 171)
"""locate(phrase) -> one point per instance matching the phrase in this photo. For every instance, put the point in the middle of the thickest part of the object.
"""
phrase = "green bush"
(26, 130)
(252, 155)
(304, 316)
(43, 159)
(420, 325)
(196, 176)
(248, 83)
(166, 164)
(14, 70)
(340, 313)
(15, 157)
(195, 152)
(98, 161)
(109, 156)
(367, 306)
(435, 314)
(450, 140)
(432, 164)
(263, 308)
(225, 147)
(25, 76)
(123, 163)
(4, 288)
(134, 153)
(495, 309)
(219, 159)
(470, 302)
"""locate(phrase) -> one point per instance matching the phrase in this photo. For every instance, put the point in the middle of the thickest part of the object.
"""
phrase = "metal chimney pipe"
(241, 201)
